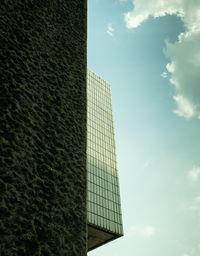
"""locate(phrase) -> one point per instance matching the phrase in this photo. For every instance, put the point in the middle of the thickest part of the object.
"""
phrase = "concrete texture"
(43, 128)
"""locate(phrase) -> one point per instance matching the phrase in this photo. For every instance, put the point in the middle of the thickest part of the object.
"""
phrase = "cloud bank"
(184, 68)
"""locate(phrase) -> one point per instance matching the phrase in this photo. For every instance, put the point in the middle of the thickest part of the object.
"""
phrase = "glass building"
(104, 209)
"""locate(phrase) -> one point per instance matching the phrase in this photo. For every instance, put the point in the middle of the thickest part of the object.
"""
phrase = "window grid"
(104, 207)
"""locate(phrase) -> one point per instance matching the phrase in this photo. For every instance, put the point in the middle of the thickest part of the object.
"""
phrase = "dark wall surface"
(43, 127)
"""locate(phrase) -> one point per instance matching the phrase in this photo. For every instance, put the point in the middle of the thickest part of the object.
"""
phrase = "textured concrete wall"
(43, 127)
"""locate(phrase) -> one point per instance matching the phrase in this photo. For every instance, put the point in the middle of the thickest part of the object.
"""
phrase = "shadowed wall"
(43, 128)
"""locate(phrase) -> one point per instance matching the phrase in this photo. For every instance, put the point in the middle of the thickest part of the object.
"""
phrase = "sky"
(149, 52)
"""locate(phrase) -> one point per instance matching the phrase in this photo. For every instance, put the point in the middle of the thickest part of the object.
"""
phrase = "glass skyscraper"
(104, 209)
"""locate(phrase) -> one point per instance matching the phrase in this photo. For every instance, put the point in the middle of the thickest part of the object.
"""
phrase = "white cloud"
(194, 174)
(143, 9)
(147, 231)
(164, 74)
(110, 30)
(170, 67)
(184, 107)
(184, 54)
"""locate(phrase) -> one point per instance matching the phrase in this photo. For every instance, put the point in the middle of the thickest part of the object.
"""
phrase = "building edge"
(43, 128)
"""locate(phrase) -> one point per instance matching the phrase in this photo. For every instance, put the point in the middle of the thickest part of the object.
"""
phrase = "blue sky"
(148, 51)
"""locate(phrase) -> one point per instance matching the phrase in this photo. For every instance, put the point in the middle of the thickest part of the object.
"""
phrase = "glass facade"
(104, 209)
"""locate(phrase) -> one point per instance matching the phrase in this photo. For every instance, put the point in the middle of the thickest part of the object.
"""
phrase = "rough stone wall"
(43, 128)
